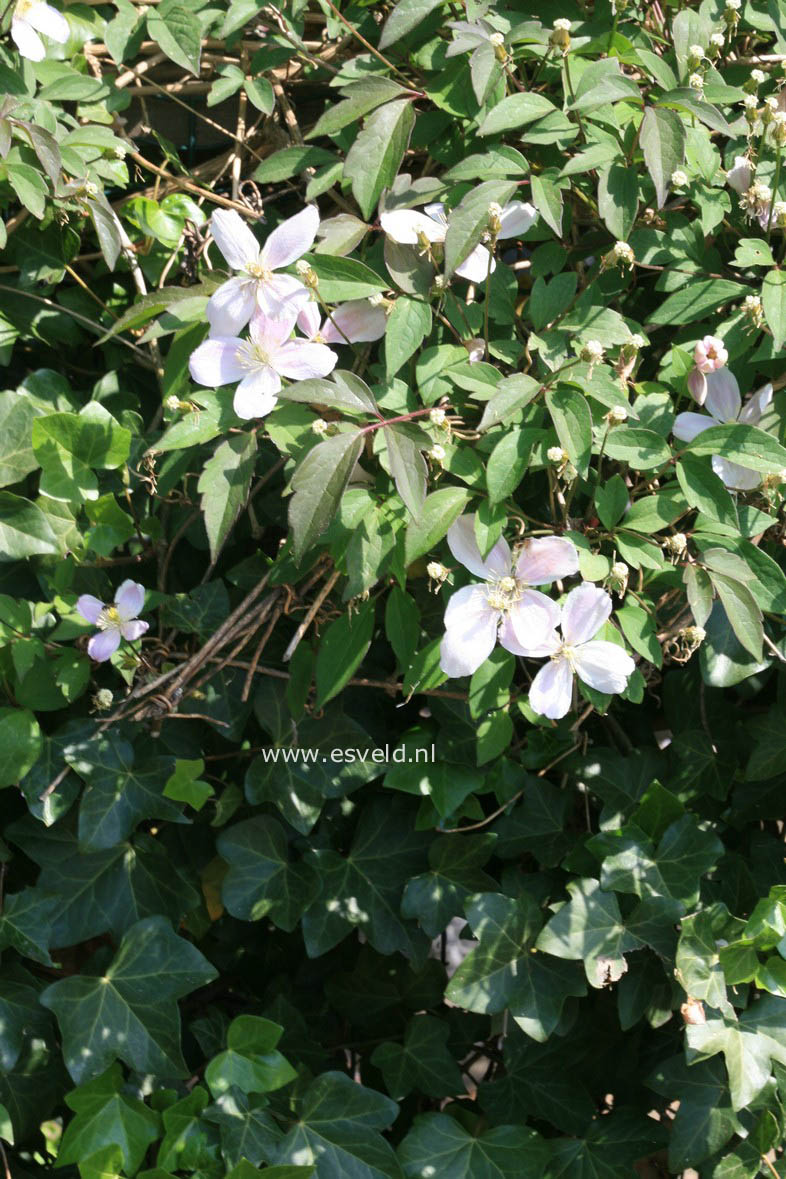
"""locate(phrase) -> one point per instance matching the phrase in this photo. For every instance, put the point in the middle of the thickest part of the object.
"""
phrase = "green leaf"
(572, 420)
(25, 530)
(724, 661)
(773, 299)
(26, 924)
(446, 784)
(662, 139)
(508, 462)
(618, 199)
(289, 161)
(469, 220)
(16, 452)
(341, 651)
(705, 490)
(402, 624)
(611, 500)
(342, 279)
(250, 1062)
(589, 927)
(108, 1116)
(405, 17)
(359, 99)
(749, 1045)
(423, 1062)
(515, 111)
(455, 872)
(547, 199)
(407, 466)
(695, 299)
(439, 1145)
(261, 881)
(130, 1012)
(375, 157)
(505, 972)
(21, 744)
(342, 390)
(639, 629)
(319, 483)
(177, 30)
(673, 870)
(439, 511)
(224, 486)
(742, 612)
(407, 327)
(601, 83)
(640, 449)
(185, 785)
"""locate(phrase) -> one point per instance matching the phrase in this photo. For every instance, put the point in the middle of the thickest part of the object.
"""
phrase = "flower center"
(568, 653)
(108, 619)
(23, 7)
(258, 271)
(251, 356)
(503, 594)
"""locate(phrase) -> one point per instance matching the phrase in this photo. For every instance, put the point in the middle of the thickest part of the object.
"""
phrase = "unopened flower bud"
(758, 76)
(319, 427)
(437, 417)
(618, 578)
(751, 305)
(496, 39)
(696, 82)
(619, 570)
(676, 544)
(497, 42)
(307, 274)
(617, 415)
(695, 56)
(717, 41)
(679, 179)
(102, 700)
(710, 354)
(555, 454)
(592, 352)
(637, 341)
(437, 453)
(695, 634)
(623, 254)
(172, 403)
(560, 35)
(436, 571)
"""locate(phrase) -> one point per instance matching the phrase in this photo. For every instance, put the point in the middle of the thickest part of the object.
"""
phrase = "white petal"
(517, 217)
(215, 362)
(739, 177)
(231, 306)
(552, 690)
(604, 666)
(464, 547)
(27, 40)
(300, 360)
(545, 559)
(291, 239)
(753, 409)
(734, 476)
(103, 645)
(507, 638)
(405, 225)
(470, 632)
(255, 396)
(234, 238)
(129, 599)
(134, 629)
(281, 296)
(309, 319)
(533, 619)
(475, 267)
(270, 332)
(688, 425)
(723, 399)
(436, 211)
(49, 21)
(355, 322)
(586, 609)
(89, 607)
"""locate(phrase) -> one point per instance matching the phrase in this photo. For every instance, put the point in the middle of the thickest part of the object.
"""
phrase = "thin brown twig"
(311, 615)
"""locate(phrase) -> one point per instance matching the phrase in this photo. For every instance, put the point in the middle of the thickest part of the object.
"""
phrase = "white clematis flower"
(115, 622)
(409, 227)
(32, 17)
(724, 405)
(257, 284)
(260, 362)
(503, 607)
(601, 665)
(356, 322)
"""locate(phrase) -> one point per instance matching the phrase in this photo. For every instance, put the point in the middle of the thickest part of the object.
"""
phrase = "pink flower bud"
(710, 354)
(697, 384)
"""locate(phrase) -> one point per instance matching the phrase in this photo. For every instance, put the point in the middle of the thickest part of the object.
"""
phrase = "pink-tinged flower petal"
(281, 296)
(471, 632)
(234, 238)
(215, 362)
(464, 547)
(134, 629)
(517, 217)
(533, 619)
(291, 239)
(231, 306)
(604, 666)
(27, 40)
(255, 396)
(269, 333)
(710, 354)
(309, 319)
(734, 476)
(89, 607)
(586, 609)
(356, 322)
(688, 425)
(475, 267)
(406, 225)
(697, 385)
(103, 645)
(48, 20)
(300, 360)
(129, 599)
(723, 396)
(507, 638)
(754, 408)
(552, 690)
(763, 215)
(545, 559)
(739, 176)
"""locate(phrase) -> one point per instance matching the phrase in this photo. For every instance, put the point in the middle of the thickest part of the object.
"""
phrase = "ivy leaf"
(662, 139)
(224, 485)
(21, 744)
(439, 1144)
(423, 1062)
(107, 1116)
(26, 923)
(247, 1130)
(375, 157)
(455, 873)
(251, 1062)
(319, 483)
(673, 870)
(187, 1143)
(748, 1044)
(589, 928)
(503, 972)
(261, 882)
(610, 1148)
(338, 1130)
(25, 531)
(539, 1081)
(704, 1121)
(130, 1012)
